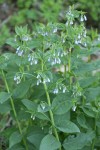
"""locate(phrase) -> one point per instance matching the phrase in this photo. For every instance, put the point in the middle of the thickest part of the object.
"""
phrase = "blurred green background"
(32, 12)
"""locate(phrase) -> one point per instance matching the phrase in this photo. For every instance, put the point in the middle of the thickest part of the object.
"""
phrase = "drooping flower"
(19, 51)
(17, 78)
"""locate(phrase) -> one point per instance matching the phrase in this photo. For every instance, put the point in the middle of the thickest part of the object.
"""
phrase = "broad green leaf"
(35, 137)
(61, 105)
(14, 139)
(3, 62)
(23, 115)
(88, 111)
(78, 142)
(21, 89)
(83, 67)
(38, 91)
(49, 142)
(11, 42)
(5, 107)
(66, 126)
(81, 120)
(6, 59)
(87, 81)
(92, 93)
(4, 96)
(62, 116)
(42, 116)
(30, 105)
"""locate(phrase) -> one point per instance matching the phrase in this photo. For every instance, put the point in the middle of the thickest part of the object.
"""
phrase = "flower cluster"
(55, 57)
(77, 91)
(26, 38)
(33, 117)
(71, 15)
(17, 78)
(83, 18)
(81, 38)
(32, 59)
(54, 61)
(43, 105)
(19, 51)
(60, 88)
(48, 30)
(42, 78)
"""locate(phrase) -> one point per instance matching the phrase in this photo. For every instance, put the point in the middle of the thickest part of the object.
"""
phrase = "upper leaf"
(61, 104)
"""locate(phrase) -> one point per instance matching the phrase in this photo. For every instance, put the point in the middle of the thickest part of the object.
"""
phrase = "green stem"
(22, 71)
(50, 112)
(13, 108)
(69, 66)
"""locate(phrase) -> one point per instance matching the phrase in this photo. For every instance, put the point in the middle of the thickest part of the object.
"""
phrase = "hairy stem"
(13, 108)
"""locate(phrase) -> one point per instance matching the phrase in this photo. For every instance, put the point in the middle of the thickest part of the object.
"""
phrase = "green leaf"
(81, 120)
(21, 30)
(14, 139)
(5, 107)
(87, 81)
(35, 137)
(66, 126)
(21, 90)
(3, 62)
(78, 142)
(88, 111)
(4, 96)
(11, 42)
(61, 104)
(49, 142)
(92, 93)
(29, 105)
(42, 116)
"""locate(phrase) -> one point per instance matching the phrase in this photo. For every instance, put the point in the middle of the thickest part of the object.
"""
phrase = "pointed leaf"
(66, 126)
(81, 120)
(35, 137)
(61, 105)
(4, 96)
(49, 142)
(15, 138)
(78, 142)
(29, 104)
(21, 89)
